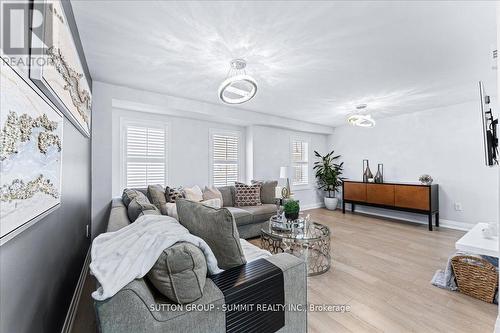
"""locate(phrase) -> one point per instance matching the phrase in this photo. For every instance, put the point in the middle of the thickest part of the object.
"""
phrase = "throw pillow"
(194, 193)
(173, 193)
(227, 193)
(157, 195)
(171, 209)
(180, 273)
(267, 191)
(129, 194)
(139, 207)
(247, 195)
(216, 227)
(212, 193)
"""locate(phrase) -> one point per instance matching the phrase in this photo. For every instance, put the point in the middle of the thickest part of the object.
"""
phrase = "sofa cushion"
(129, 194)
(267, 190)
(227, 193)
(180, 273)
(139, 206)
(247, 195)
(241, 216)
(260, 213)
(156, 194)
(193, 193)
(216, 227)
(174, 193)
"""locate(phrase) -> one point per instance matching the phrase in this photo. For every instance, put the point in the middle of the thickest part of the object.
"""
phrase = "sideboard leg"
(343, 207)
(437, 219)
(352, 207)
(430, 221)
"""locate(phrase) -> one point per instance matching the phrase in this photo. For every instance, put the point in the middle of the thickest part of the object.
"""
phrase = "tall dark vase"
(379, 177)
(367, 173)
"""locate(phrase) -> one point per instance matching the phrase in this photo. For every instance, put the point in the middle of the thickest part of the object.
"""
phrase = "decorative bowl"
(426, 179)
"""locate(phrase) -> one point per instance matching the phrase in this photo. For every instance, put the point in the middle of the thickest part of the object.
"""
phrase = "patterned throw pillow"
(174, 193)
(247, 195)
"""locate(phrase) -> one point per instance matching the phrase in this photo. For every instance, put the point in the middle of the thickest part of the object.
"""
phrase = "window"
(144, 154)
(224, 152)
(300, 162)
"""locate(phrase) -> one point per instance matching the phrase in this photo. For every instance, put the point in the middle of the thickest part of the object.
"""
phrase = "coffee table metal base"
(316, 253)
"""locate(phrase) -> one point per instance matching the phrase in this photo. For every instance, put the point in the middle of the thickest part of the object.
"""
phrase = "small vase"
(367, 174)
(379, 177)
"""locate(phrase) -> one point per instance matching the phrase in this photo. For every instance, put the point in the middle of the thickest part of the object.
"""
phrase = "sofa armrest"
(135, 309)
(118, 217)
(295, 279)
(127, 309)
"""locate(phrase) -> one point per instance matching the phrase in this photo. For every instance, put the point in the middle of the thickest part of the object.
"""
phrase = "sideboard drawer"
(414, 197)
(380, 194)
(355, 191)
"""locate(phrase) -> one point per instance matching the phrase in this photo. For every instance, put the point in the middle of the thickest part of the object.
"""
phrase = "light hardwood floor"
(382, 269)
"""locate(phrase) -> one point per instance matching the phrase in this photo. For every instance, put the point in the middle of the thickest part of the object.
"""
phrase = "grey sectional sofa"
(249, 219)
(138, 306)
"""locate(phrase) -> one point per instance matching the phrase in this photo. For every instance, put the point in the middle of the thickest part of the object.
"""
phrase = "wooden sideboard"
(414, 198)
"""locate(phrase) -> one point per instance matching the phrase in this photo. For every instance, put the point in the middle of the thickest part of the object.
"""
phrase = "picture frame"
(56, 67)
(31, 132)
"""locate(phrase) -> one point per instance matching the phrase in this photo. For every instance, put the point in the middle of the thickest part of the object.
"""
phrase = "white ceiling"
(313, 61)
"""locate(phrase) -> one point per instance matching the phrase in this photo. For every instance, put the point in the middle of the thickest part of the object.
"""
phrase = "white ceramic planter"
(331, 203)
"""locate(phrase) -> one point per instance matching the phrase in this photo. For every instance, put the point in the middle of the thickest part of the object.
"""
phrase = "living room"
(323, 165)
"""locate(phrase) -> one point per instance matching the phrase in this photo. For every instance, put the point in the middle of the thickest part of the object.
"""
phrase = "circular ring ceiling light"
(238, 87)
(361, 120)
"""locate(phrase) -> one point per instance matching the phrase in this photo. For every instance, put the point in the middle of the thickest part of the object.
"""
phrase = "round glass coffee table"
(304, 239)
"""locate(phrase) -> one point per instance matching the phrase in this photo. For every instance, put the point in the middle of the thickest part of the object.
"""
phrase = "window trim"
(215, 131)
(124, 122)
(307, 140)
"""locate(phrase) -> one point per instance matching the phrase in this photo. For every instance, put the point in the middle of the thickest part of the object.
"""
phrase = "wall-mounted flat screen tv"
(489, 129)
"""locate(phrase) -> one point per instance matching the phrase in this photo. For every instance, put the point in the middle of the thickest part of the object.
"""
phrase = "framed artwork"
(31, 141)
(56, 67)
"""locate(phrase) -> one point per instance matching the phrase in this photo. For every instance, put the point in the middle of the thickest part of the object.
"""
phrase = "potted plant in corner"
(291, 209)
(328, 175)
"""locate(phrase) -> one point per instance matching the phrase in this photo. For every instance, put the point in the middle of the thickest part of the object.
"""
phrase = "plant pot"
(292, 216)
(331, 203)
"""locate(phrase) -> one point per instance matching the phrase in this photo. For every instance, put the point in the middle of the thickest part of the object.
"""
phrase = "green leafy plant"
(328, 173)
(291, 207)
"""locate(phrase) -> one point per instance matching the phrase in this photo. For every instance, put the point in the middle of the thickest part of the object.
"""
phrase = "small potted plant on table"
(291, 209)
(328, 175)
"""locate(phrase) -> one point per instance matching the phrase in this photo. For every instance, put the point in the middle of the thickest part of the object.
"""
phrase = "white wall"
(445, 143)
(188, 154)
(190, 122)
(271, 150)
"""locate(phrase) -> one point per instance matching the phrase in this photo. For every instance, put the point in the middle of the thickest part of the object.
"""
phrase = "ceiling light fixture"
(361, 120)
(238, 87)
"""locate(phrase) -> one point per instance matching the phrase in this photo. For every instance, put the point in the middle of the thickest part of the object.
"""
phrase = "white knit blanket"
(122, 256)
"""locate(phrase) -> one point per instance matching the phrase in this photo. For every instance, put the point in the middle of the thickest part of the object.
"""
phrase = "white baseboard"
(312, 206)
(497, 325)
(443, 223)
(75, 300)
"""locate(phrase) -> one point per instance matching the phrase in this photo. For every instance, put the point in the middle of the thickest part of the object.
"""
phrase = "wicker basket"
(476, 277)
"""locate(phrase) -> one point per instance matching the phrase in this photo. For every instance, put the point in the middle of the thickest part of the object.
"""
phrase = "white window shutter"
(225, 159)
(145, 155)
(300, 163)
